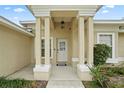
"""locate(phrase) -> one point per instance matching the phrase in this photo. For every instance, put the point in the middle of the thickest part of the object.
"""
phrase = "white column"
(81, 40)
(38, 42)
(47, 40)
(42, 72)
(90, 37)
(82, 69)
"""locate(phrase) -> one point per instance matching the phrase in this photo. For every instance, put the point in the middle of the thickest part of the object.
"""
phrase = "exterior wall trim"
(108, 21)
(120, 58)
(113, 59)
(12, 25)
(104, 31)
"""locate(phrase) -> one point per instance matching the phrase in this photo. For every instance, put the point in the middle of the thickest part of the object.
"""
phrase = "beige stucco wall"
(72, 37)
(102, 28)
(15, 50)
(121, 44)
(107, 28)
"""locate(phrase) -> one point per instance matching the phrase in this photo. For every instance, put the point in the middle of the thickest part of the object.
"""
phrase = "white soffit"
(27, 22)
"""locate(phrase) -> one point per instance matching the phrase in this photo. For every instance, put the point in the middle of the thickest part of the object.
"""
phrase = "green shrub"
(98, 78)
(101, 53)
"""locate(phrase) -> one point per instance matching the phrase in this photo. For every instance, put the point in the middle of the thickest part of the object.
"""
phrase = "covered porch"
(79, 20)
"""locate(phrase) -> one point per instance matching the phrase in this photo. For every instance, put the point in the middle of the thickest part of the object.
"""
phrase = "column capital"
(90, 18)
(78, 16)
(38, 20)
(85, 13)
(44, 17)
(45, 13)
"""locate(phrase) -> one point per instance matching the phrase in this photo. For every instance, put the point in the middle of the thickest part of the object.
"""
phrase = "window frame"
(51, 38)
(113, 42)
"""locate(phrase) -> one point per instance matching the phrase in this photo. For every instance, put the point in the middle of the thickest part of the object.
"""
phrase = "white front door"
(62, 50)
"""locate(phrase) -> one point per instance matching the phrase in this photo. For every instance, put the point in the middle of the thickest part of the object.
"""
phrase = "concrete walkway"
(24, 73)
(61, 77)
(64, 77)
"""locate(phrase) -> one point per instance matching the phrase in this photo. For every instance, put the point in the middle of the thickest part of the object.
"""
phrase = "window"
(121, 27)
(107, 38)
(43, 47)
(62, 46)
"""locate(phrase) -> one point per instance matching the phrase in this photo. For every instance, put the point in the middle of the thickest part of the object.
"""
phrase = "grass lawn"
(20, 83)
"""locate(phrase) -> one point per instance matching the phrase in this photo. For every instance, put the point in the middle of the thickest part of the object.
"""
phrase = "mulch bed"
(90, 84)
(117, 81)
(21, 83)
(39, 84)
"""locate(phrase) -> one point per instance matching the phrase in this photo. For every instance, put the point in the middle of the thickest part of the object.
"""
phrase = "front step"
(65, 84)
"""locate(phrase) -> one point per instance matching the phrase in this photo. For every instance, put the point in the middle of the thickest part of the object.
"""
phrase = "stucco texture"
(121, 44)
(15, 50)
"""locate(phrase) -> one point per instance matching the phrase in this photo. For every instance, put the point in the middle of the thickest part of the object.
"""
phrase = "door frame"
(57, 49)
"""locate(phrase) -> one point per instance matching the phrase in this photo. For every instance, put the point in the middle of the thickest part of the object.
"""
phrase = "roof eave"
(12, 25)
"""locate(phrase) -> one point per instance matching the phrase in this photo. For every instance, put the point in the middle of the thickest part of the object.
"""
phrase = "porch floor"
(63, 73)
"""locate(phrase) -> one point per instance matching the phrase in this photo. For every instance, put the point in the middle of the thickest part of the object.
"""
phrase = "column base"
(42, 72)
(84, 72)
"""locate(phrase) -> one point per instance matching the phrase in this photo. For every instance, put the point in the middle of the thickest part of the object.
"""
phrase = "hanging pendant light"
(62, 24)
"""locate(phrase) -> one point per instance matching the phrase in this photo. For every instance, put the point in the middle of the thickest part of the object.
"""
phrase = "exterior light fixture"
(62, 24)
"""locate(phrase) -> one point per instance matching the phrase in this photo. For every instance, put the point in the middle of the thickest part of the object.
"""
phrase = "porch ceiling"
(65, 19)
(64, 13)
